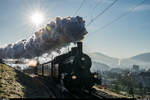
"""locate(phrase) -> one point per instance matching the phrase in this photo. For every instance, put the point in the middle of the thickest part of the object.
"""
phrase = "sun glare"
(37, 18)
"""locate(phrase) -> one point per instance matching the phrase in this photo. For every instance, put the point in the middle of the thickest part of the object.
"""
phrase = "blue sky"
(126, 37)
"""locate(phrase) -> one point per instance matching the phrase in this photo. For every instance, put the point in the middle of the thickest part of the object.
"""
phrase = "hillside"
(97, 66)
(15, 84)
(142, 57)
(99, 57)
(143, 60)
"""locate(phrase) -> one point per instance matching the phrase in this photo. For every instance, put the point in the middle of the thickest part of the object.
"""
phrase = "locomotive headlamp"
(95, 76)
(74, 77)
(82, 58)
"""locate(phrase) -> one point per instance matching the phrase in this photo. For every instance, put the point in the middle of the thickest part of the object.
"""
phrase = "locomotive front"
(73, 69)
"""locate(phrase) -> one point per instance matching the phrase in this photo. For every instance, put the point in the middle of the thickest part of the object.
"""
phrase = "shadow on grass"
(31, 87)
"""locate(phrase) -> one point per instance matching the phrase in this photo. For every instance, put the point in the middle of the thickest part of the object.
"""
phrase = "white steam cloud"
(58, 33)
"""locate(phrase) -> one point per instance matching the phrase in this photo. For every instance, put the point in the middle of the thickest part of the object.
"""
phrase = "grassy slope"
(15, 84)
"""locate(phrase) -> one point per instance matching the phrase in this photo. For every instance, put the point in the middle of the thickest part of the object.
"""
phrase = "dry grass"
(15, 84)
(9, 87)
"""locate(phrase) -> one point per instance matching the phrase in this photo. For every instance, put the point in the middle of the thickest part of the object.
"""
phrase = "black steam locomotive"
(73, 70)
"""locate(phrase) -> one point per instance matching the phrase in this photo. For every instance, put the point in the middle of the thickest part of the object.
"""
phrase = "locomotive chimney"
(79, 45)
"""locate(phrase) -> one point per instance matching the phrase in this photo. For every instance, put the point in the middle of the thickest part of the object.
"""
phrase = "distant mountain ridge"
(142, 57)
(102, 58)
(102, 55)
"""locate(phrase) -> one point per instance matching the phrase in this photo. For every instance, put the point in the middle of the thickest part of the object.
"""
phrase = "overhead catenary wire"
(97, 4)
(101, 13)
(83, 1)
(123, 15)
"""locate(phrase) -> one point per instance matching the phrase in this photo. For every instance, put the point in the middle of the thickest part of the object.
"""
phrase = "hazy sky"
(125, 38)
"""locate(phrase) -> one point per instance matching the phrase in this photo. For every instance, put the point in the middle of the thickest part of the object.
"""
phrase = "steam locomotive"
(73, 70)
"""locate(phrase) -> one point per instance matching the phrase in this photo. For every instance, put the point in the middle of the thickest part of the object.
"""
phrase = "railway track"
(55, 90)
(88, 95)
(51, 95)
(98, 94)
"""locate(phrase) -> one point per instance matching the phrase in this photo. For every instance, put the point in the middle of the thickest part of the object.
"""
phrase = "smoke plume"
(58, 33)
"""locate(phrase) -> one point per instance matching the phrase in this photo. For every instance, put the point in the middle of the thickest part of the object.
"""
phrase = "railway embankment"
(16, 84)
